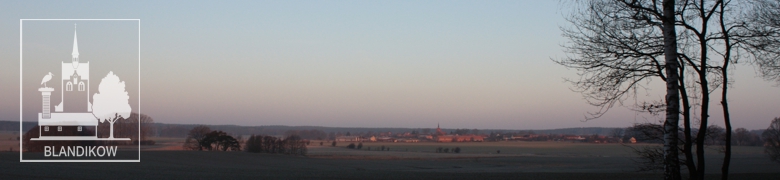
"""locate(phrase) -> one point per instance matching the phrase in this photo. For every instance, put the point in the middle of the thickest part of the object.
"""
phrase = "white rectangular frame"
(21, 21)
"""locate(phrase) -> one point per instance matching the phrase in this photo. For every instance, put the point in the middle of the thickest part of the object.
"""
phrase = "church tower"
(75, 83)
(439, 132)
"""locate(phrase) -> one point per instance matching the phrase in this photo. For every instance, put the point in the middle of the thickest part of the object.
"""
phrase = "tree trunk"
(688, 144)
(671, 159)
(705, 99)
(724, 100)
(727, 159)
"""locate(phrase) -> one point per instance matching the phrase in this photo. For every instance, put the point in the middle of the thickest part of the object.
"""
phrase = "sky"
(413, 64)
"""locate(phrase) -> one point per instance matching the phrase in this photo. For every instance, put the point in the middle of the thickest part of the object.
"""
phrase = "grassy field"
(241, 165)
(543, 156)
(518, 148)
(517, 160)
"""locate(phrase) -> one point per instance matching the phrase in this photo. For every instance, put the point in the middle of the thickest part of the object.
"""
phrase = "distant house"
(526, 137)
(386, 139)
(477, 138)
(632, 140)
(408, 140)
(443, 138)
(348, 139)
(429, 137)
(573, 137)
(468, 138)
(458, 138)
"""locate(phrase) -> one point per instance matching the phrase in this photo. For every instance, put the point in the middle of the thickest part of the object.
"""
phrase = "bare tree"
(220, 140)
(295, 145)
(254, 144)
(196, 138)
(741, 136)
(761, 36)
(147, 128)
(671, 158)
(714, 135)
(647, 132)
(617, 45)
(771, 138)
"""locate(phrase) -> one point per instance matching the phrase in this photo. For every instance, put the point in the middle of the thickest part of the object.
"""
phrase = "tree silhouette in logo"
(111, 102)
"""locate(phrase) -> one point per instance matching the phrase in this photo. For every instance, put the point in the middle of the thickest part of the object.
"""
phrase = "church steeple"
(439, 132)
(75, 57)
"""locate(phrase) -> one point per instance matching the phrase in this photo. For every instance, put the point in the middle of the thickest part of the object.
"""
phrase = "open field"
(517, 160)
(235, 165)
(543, 156)
(489, 149)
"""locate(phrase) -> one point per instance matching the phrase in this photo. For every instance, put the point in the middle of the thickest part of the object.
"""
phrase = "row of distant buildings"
(438, 136)
(443, 137)
(374, 139)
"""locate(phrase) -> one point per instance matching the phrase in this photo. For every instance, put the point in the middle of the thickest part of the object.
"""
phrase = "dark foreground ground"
(241, 165)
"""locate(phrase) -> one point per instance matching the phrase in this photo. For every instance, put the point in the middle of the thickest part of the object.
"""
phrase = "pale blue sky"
(464, 64)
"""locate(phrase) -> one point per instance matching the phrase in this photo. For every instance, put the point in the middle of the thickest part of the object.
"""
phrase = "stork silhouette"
(46, 78)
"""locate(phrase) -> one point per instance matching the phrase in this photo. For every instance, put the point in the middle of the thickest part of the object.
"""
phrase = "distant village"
(465, 135)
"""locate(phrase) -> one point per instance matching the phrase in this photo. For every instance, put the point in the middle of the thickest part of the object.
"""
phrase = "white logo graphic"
(76, 120)
(110, 103)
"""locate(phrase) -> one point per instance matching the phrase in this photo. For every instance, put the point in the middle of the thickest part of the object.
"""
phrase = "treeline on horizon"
(307, 132)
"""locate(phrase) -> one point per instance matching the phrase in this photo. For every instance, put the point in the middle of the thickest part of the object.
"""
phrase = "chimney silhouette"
(46, 94)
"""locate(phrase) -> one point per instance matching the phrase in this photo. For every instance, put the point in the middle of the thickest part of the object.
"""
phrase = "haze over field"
(464, 64)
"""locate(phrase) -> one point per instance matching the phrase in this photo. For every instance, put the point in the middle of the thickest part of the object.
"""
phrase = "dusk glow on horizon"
(411, 64)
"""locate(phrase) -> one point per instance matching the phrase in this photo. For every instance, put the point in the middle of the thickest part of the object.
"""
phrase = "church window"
(69, 87)
(46, 128)
(59, 128)
(81, 86)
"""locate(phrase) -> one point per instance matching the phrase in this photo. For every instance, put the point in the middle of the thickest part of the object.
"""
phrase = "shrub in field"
(456, 150)
(333, 144)
(292, 145)
(360, 146)
(351, 146)
(219, 140)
